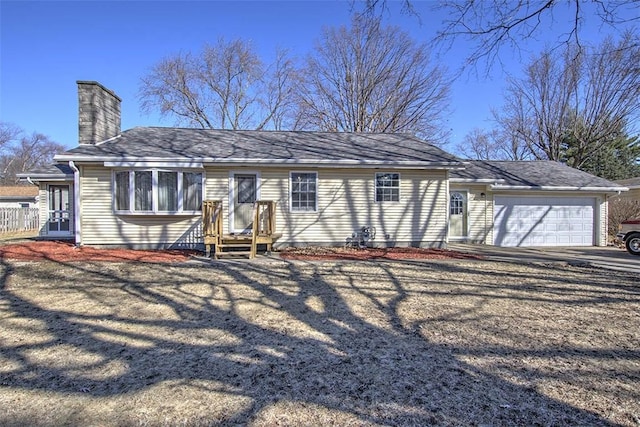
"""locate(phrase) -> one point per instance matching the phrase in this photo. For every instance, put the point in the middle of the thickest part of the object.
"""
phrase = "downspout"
(485, 232)
(448, 208)
(76, 202)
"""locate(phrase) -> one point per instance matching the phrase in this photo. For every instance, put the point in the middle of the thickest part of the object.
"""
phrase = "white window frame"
(375, 186)
(297, 211)
(155, 192)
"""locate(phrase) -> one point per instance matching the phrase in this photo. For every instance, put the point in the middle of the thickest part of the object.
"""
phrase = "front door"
(245, 192)
(59, 222)
(457, 214)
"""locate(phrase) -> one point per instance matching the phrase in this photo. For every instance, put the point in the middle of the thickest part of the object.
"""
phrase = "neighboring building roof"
(18, 192)
(55, 172)
(631, 183)
(541, 174)
(265, 147)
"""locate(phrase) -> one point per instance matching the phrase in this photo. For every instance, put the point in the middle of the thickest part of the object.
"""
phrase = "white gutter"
(559, 188)
(76, 202)
(57, 178)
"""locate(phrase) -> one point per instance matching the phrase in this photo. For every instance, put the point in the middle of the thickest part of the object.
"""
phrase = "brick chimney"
(99, 113)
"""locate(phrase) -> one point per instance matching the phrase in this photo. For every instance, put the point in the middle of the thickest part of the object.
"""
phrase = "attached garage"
(531, 203)
(544, 221)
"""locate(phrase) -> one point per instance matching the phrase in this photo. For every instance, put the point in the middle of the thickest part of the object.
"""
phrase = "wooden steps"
(232, 245)
(236, 245)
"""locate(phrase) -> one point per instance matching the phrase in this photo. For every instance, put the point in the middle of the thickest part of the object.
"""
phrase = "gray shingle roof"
(53, 171)
(542, 173)
(631, 182)
(221, 145)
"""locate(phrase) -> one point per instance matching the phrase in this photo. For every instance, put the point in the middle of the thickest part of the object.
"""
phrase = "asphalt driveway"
(601, 257)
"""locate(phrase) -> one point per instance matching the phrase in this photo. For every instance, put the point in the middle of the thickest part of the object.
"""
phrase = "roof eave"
(45, 177)
(612, 190)
(124, 160)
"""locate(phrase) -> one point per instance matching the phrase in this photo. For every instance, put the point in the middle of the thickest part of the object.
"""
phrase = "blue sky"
(45, 47)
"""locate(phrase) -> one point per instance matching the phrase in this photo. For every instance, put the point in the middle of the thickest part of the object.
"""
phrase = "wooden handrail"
(264, 223)
(212, 225)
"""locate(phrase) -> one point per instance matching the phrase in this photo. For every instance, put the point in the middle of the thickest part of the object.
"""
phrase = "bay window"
(157, 191)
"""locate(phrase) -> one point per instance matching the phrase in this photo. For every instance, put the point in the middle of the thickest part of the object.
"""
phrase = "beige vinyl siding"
(43, 204)
(481, 216)
(216, 187)
(100, 226)
(346, 203)
(602, 208)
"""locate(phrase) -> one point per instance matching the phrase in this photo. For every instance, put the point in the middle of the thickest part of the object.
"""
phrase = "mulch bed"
(332, 253)
(67, 252)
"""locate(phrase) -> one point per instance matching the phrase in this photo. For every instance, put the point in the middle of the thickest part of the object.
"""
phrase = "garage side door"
(543, 221)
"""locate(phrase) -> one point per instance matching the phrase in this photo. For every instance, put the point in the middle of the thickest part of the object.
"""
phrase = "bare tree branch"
(21, 153)
(487, 27)
(569, 106)
(370, 78)
(225, 86)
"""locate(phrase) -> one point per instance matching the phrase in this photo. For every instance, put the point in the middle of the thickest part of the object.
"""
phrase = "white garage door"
(543, 221)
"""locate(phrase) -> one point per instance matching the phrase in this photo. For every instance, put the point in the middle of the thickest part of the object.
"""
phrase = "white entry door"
(245, 191)
(457, 214)
(543, 221)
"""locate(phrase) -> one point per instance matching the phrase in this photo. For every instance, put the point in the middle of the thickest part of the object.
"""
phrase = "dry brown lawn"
(271, 342)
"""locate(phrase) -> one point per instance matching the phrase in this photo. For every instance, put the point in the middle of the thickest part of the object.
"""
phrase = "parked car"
(629, 233)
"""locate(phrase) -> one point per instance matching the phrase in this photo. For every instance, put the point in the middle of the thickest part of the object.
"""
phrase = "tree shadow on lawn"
(327, 340)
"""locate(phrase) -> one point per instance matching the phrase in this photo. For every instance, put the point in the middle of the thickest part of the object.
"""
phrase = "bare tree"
(492, 145)
(21, 153)
(536, 106)
(278, 100)
(226, 86)
(621, 209)
(370, 78)
(8, 133)
(581, 98)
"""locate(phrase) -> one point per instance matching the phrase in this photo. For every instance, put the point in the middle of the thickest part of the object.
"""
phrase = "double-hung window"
(157, 191)
(304, 191)
(387, 187)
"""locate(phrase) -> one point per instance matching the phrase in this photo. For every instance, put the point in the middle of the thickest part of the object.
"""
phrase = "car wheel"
(633, 244)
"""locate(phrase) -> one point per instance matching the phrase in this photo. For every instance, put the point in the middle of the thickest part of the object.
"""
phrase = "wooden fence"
(19, 219)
